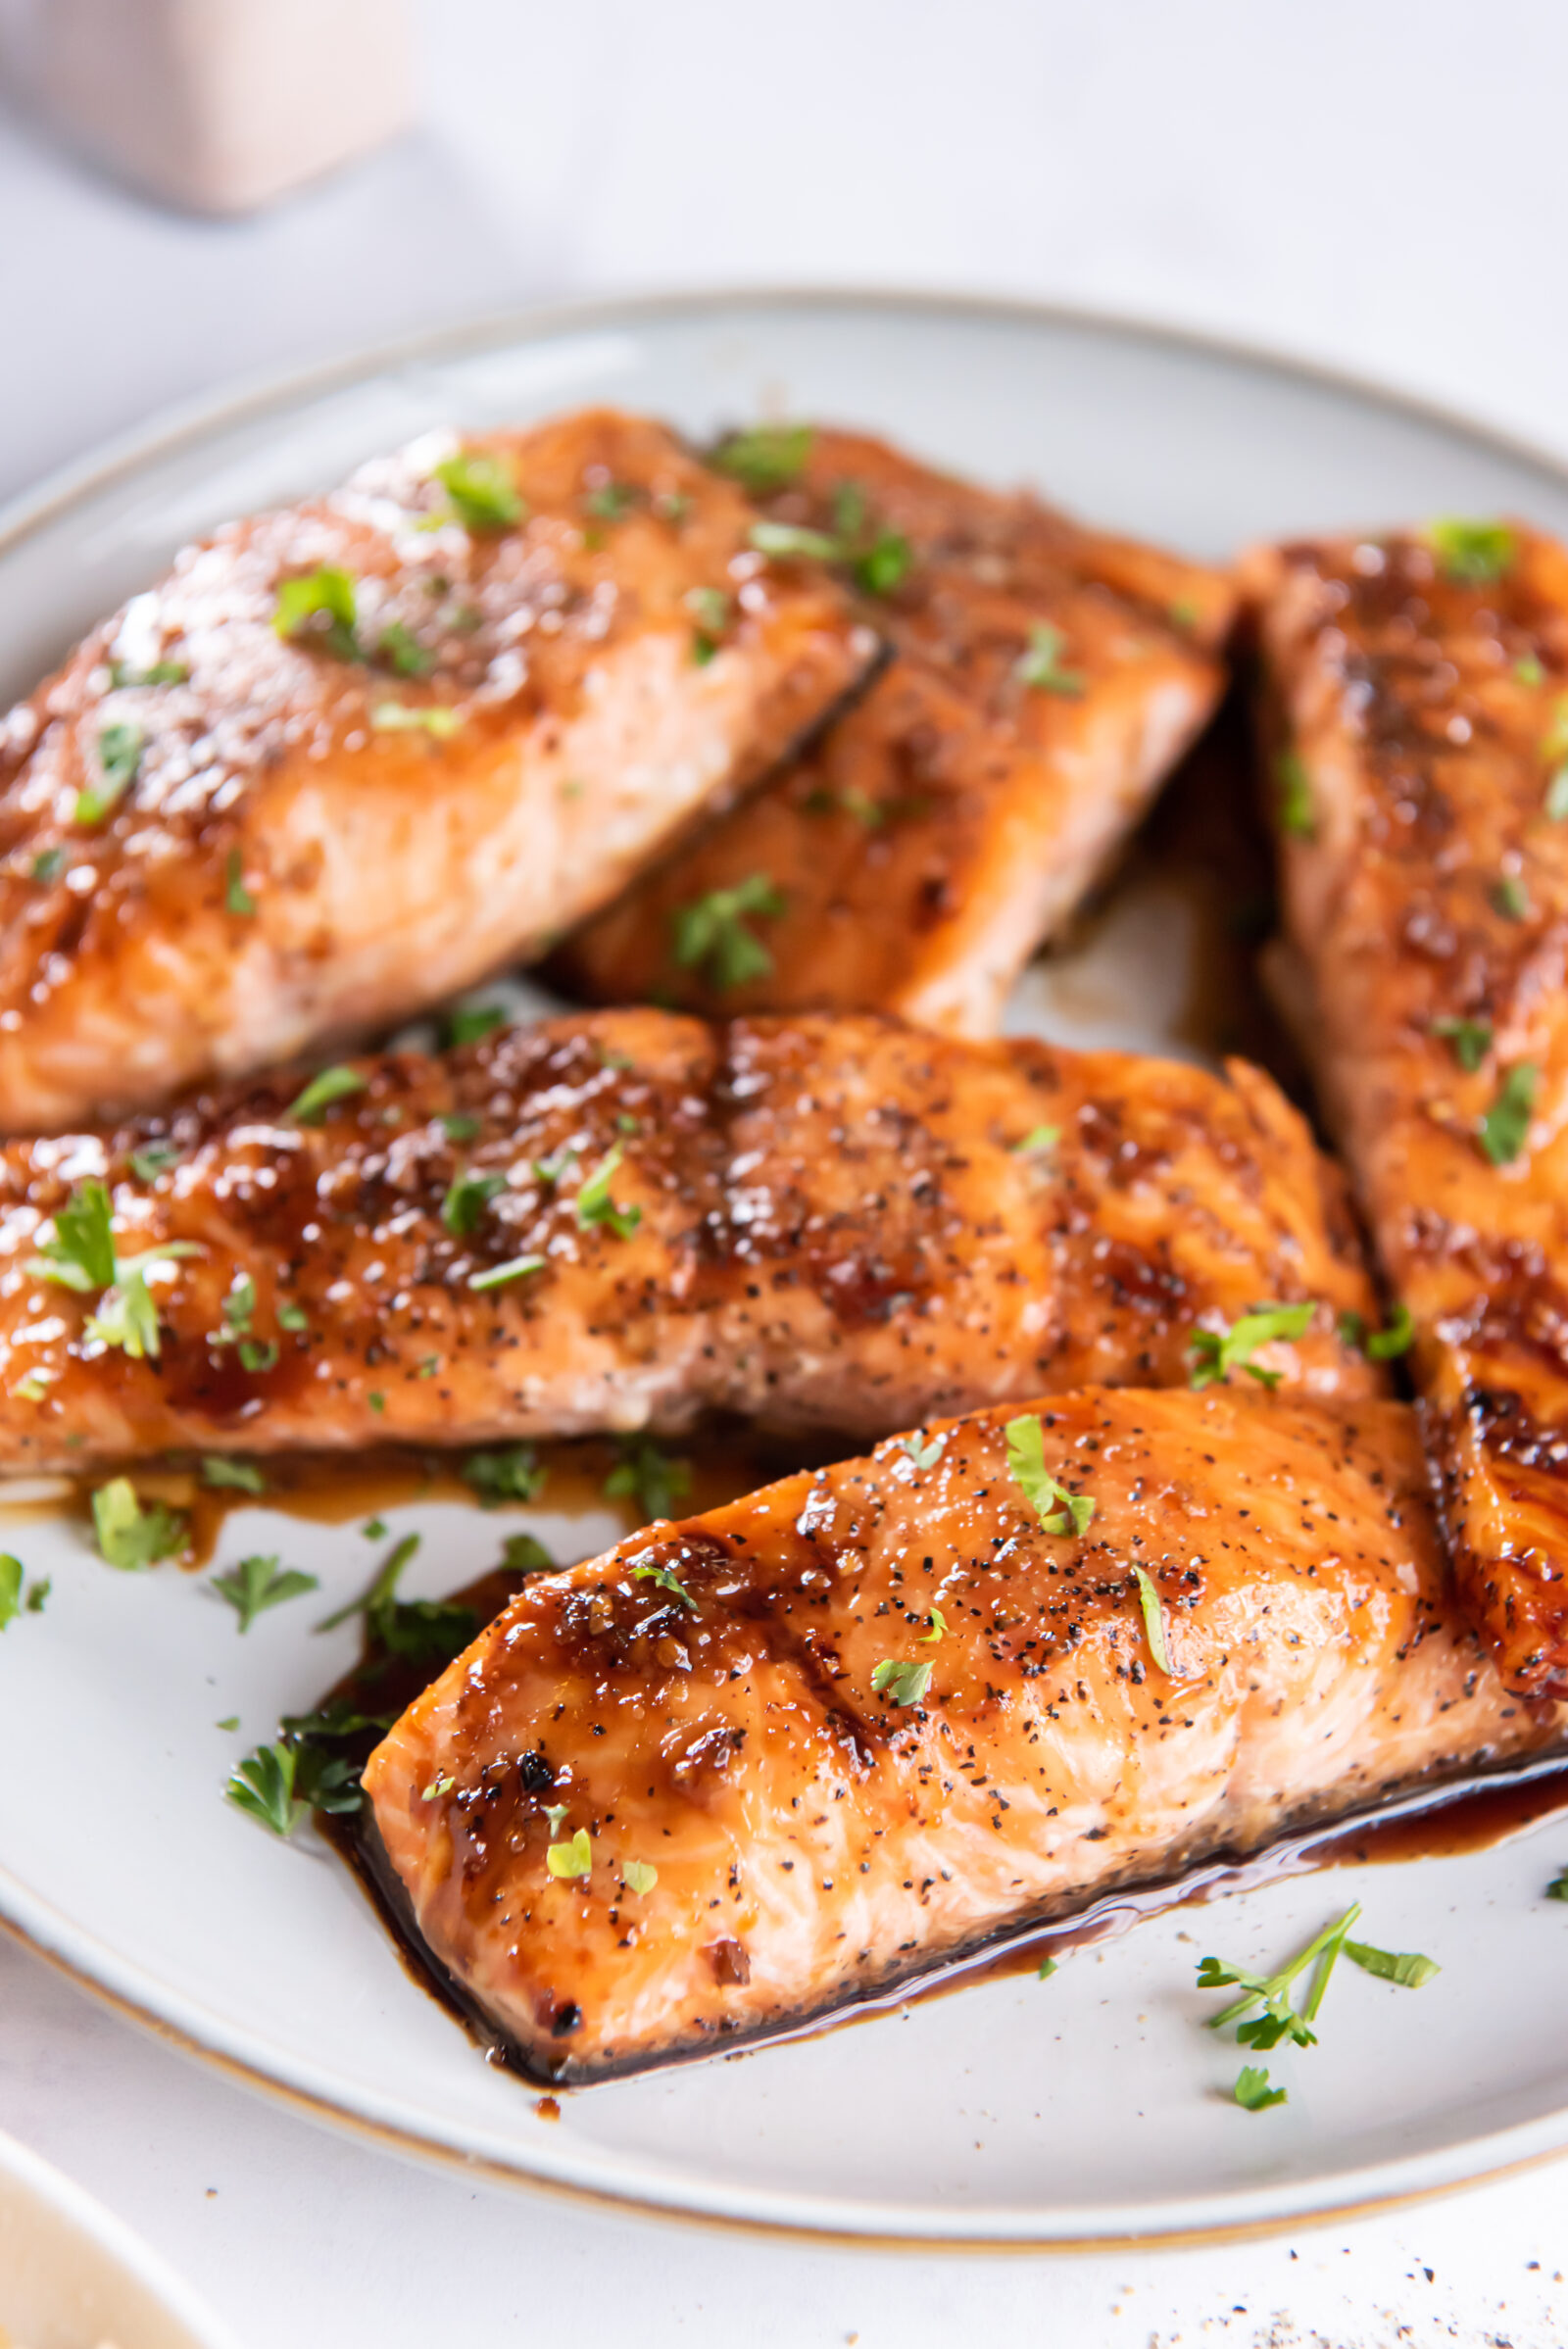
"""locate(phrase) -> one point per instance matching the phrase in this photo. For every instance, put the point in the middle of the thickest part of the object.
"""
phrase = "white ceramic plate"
(73, 2276)
(1087, 2107)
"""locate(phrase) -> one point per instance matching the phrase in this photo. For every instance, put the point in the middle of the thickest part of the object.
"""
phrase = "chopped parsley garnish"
(327, 1085)
(711, 936)
(1472, 554)
(594, 1203)
(1394, 1337)
(574, 1858)
(498, 1276)
(1407, 1966)
(787, 542)
(47, 864)
(938, 1631)
(460, 1126)
(904, 1684)
(1154, 1619)
(1041, 665)
(1252, 2091)
(230, 1721)
(549, 1171)
(525, 1553)
(466, 1198)
(322, 605)
(257, 1583)
(469, 1021)
(263, 1786)
(767, 457)
(709, 607)
(1510, 897)
(1038, 1138)
(120, 749)
(162, 673)
(1293, 801)
(129, 1536)
(1058, 1510)
(412, 1631)
(82, 1256)
(1469, 1039)
(292, 1317)
(415, 717)
(483, 493)
(1505, 1127)
(503, 1476)
(666, 1578)
(1528, 669)
(1215, 1353)
(1045, 1969)
(884, 565)
(1277, 2017)
(236, 1476)
(1555, 803)
(613, 501)
(651, 1477)
(1557, 1889)
(153, 1159)
(257, 1353)
(12, 1600)
(442, 1784)
(237, 899)
(923, 1454)
(401, 651)
(639, 1875)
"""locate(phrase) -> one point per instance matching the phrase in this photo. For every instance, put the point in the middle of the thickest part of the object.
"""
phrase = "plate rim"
(123, 1986)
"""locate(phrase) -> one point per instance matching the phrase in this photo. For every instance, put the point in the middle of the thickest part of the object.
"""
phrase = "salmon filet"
(631, 1219)
(1046, 682)
(753, 1767)
(347, 757)
(1418, 712)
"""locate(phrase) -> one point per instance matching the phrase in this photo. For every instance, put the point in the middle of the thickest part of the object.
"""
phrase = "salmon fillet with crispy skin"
(1418, 692)
(349, 757)
(631, 1219)
(1046, 682)
(803, 1750)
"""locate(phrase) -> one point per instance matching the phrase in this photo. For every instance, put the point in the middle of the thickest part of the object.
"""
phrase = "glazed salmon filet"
(958, 815)
(1426, 899)
(820, 1223)
(221, 845)
(702, 1703)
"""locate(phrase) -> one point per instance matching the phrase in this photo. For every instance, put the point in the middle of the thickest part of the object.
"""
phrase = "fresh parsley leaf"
(1470, 1039)
(37, 1597)
(413, 1631)
(81, 1254)
(613, 501)
(790, 542)
(162, 673)
(1510, 897)
(1058, 1510)
(326, 1782)
(1278, 2018)
(1394, 1337)
(238, 1476)
(1252, 2091)
(576, 1858)
(885, 565)
(466, 1198)
(1215, 1353)
(1038, 1139)
(262, 1787)
(1505, 1127)
(1557, 1889)
(767, 457)
(1154, 1619)
(319, 605)
(938, 1631)
(904, 1684)
(434, 718)
(1041, 665)
(401, 651)
(239, 1309)
(11, 1572)
(1293, 801)
(482, 489)
(709, 607)
(1045, 1969)
(1408, 1967)
(292, 1317)
(525, 1553)
(1472, 554)
(639, 1875)
(47, 864)
(257, 1583)
(230, 1721)
(129, 1536)
(237, 899)
(1555, 803)
(442, 1784)
(460, 1126)
(503, 1476)
(327, 1085)
(35, 1385)
(469, 1021)
(120, 749)
(923, 1454)
(668, 1580)
(710, 933)
(497, 1276)
(651, 1477)
(153, 1159)
(594, 1204)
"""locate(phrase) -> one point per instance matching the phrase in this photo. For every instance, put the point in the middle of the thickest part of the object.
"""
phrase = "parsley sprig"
(1040, 667)
(407, 1631)
(254, 1585)
(594, 1203)
(482, 489)
(648, 1474)
(129, 1536)
(767, 457)
(903, 1684)
(82, 1256)
(1266, 2014)
(1058, 1510)
(711, 936)
(1215, 1353)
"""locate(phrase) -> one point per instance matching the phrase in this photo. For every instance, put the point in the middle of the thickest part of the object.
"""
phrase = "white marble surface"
(1377, 187)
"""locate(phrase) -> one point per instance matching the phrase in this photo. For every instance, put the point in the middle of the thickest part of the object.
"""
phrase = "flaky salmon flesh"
(347, 757)
(754, 1766)
(1418, 718)
(1047, 679)
(630, 1219)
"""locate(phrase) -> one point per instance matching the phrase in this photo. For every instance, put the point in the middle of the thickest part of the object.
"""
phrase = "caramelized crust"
(1426, 885)
(837, 1228)
(957, 816)
(818, 1841)
(328, 831)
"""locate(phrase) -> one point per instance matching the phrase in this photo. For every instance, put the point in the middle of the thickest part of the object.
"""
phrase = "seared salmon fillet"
(761, 1764)
(628, 1219)
(1418, 704)
(1046, 682)
(349, 757)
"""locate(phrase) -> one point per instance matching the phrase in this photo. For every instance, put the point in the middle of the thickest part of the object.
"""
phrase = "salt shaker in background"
(218, 106)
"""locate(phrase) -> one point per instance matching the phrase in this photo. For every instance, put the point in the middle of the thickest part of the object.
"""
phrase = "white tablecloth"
(1380, 186)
